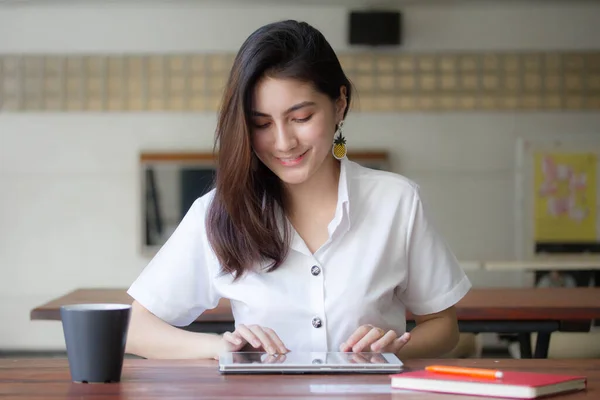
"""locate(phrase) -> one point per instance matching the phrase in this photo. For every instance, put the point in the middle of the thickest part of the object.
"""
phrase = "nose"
(285, 139)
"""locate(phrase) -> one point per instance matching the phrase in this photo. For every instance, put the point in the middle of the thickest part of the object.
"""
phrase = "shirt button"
(315, 270)
(316, 322)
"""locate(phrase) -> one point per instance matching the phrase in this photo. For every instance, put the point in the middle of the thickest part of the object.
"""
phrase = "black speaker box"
(375, 28)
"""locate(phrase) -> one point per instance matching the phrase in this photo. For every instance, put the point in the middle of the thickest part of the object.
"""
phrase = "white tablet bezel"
(311, 362)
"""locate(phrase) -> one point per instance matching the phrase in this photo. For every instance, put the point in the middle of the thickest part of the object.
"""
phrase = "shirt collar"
(340, 223)
(343, 204)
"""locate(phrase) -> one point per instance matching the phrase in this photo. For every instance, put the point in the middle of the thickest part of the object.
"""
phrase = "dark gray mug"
(95, 336)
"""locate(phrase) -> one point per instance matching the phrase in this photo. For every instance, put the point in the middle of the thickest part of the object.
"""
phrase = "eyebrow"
(289, 110)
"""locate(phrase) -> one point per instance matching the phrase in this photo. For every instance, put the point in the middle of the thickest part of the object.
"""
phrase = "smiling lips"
(291, 161)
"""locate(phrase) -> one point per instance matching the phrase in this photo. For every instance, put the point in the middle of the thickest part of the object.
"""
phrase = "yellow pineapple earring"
(339, 149)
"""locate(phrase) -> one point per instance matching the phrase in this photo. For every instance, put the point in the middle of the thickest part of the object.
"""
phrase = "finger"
(270, 359)
(386, 340)
(264, 338)
(400, 342)
(233, 338)
(248, 336)
(274, 359)
(372, 336)
(281, 349)
(355, 337)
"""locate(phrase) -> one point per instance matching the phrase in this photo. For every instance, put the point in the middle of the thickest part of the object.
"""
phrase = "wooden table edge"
(574, 265)
(219, 314)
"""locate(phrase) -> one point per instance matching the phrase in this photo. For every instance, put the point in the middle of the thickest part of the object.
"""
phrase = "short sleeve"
(177, 285)
(435, 280)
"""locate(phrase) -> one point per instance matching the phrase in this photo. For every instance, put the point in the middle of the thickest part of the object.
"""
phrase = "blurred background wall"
(69, 169)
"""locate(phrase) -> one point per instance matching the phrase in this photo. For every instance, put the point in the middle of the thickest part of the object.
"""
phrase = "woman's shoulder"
(201, 205)
(388, 182)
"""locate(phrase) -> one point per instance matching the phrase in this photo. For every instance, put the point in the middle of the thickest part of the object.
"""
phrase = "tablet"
(309, 362)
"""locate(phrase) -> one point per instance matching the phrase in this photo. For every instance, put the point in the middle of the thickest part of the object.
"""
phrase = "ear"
(341, 103)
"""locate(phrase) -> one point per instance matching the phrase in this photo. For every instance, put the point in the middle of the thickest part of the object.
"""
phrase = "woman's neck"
(318, 192)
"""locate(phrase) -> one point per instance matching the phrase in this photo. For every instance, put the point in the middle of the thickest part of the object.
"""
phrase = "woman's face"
(293, 126)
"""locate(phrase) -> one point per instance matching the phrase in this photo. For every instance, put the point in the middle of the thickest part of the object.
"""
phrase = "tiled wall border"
(385, 82)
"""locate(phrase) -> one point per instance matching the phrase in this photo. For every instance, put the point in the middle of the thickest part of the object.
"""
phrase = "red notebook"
(514, 384)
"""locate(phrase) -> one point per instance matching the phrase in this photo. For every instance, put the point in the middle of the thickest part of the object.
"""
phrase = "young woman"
(315, 252)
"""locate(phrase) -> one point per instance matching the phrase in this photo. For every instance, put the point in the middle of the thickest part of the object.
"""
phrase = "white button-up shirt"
(382, 257)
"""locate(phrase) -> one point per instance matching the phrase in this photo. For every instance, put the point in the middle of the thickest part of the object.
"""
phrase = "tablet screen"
(310, 358)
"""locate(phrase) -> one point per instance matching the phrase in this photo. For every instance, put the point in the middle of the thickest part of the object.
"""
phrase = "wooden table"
(188, 379)
(519, 311)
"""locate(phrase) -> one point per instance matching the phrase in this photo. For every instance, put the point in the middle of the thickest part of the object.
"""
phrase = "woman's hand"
(258, 337)
(372, 339)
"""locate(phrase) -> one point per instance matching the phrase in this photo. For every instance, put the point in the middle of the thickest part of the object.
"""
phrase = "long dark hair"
(245, 221)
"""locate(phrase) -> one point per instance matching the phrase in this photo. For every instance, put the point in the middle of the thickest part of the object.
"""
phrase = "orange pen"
(474, 372)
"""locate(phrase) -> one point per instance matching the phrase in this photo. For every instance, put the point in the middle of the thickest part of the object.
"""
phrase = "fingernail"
(256, 343)
(270, 350)
(238, 341)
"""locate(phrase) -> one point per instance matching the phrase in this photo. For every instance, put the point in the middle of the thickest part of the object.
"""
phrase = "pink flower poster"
(565, 197)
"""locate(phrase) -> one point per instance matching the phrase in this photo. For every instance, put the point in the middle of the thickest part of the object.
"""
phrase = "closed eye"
(263, 126)
(303, 119)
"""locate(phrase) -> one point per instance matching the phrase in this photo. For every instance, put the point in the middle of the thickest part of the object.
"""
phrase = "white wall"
(96, 26)
(69, 207)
